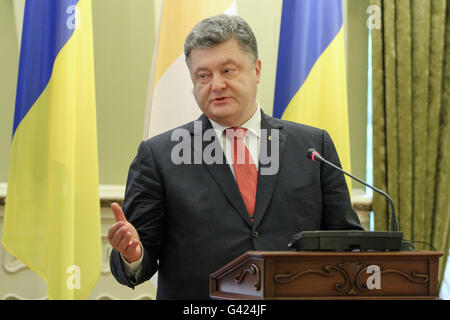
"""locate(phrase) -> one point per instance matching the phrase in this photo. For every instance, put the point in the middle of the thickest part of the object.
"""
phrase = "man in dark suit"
(186, 215)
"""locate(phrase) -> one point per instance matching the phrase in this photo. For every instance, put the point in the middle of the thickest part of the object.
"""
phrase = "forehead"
(228, 51)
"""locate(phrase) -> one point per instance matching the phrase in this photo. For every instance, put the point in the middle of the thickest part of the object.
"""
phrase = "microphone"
(315, 156)
(350, 240)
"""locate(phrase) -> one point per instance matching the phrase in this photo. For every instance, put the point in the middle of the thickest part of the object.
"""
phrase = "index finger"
(118, 212)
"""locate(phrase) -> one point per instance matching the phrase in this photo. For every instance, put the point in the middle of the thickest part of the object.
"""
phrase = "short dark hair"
(218, 29)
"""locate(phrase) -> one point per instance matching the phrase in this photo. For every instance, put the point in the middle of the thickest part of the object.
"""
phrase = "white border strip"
(106, 191)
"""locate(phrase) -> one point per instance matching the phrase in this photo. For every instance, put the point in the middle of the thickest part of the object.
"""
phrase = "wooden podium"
(328, 275)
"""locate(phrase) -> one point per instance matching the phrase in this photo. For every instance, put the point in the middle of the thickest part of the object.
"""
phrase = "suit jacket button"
(256, 234)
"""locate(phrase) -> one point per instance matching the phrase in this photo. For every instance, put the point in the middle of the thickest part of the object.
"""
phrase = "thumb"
(118, 212)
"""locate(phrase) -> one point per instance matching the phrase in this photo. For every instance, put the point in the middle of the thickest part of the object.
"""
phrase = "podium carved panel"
(328, 275)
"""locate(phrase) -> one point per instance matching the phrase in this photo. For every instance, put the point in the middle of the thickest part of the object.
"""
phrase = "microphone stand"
(315, 155)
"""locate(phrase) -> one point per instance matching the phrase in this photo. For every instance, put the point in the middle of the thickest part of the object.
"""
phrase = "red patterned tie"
(244, 168)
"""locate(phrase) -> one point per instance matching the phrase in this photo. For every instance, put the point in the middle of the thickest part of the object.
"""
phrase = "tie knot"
(235, 132)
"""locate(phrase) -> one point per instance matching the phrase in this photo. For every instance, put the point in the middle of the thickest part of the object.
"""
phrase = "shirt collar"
(253, 124)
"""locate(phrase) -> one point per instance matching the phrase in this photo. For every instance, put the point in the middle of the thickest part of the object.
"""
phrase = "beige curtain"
(411, 100)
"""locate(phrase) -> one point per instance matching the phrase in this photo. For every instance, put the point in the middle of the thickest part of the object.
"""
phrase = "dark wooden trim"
(330, 275)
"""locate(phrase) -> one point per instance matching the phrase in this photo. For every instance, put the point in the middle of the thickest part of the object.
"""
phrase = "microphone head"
(310, 154)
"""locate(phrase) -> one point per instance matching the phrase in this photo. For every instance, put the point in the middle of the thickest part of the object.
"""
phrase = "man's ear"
(258, 70)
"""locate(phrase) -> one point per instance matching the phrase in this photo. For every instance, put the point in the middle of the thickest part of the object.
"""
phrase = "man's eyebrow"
(201, 69)
(228, 61)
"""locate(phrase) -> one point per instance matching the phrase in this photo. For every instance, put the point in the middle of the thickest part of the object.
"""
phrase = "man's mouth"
(219, 98)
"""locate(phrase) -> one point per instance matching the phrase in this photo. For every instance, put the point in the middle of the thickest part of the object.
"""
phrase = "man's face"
(225, 81)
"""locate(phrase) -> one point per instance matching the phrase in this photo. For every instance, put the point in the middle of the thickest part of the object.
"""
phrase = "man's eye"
(229, 71)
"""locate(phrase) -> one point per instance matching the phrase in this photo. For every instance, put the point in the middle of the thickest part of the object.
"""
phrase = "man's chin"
(220, 112)
(224, 119)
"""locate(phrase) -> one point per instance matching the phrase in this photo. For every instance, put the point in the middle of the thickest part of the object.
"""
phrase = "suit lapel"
(271, 134)
(223, 176)
(221, 172)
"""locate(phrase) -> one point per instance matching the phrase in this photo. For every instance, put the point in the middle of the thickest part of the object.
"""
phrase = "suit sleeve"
(144, 208)
(338, 213)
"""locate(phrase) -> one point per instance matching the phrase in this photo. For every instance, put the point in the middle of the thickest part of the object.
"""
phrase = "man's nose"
(218, 83)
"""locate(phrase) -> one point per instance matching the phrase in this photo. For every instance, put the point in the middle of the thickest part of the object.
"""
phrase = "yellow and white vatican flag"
(170, 100)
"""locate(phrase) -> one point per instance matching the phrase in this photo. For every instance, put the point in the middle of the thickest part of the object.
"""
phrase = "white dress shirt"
(251, 139)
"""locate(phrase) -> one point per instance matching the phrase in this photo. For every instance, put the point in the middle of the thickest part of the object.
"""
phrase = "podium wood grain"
(328, 275)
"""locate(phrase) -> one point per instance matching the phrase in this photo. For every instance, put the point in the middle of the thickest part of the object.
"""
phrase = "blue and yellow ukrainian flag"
(52, 208)
(311, 75)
